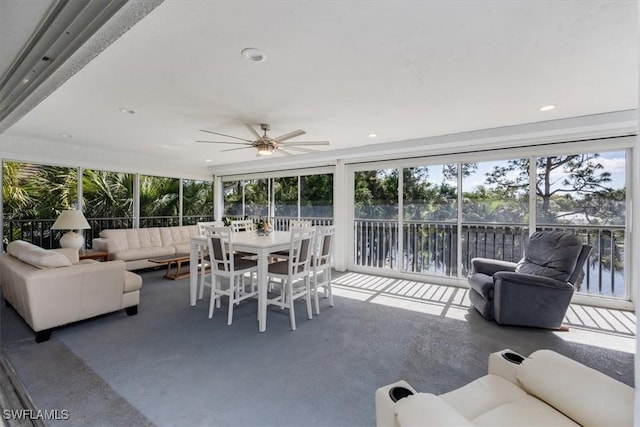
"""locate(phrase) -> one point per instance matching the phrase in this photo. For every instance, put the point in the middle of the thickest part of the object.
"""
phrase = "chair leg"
(283, 294)
(292, 314)
(212, 301)
(315, 292)
(327, 287)
(307, 281)
(202, 277)
(219, 299)
(232, 301)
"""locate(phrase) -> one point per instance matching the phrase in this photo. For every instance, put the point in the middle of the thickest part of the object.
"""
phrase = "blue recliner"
(537, 290)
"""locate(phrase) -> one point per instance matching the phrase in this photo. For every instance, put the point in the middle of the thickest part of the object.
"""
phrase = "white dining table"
(245, 241)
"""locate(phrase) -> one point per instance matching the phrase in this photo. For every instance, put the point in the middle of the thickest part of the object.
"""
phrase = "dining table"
(246, 241)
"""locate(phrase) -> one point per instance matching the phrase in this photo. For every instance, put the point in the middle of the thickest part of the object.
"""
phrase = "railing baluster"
(430, 248)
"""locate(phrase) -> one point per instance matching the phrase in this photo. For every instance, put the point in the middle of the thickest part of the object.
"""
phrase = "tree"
(566, 181)
(107, 194)
(197, 198)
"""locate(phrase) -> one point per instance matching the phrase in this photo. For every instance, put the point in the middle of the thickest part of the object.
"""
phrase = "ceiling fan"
(267, 145)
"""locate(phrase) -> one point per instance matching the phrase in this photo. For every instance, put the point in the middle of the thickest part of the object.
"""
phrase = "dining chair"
(294, 223)
(294, 273)
(297, 223)
(204, 253)
(225, 266)
(321, 263)
(243, 225)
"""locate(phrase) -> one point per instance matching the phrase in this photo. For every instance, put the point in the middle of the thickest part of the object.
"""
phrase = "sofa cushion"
(171, 236)
(525, 411)
(483, 394)
(577, 390)
(37, 256)
(142, 253)
(182, 248)
(427, 409)
(493, 400)
(133, 238)
(17, 246)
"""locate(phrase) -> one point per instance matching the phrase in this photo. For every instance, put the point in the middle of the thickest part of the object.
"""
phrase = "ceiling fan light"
(265, 151)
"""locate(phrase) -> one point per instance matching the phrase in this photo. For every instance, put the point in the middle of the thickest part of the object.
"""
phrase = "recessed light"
(547, 108)
(208, 160)
(373, 135)
(126, 110)
(253, 54)
(66, 135)
(25, 81)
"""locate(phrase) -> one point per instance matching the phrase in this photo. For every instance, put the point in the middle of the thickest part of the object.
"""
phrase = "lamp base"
(72, 239)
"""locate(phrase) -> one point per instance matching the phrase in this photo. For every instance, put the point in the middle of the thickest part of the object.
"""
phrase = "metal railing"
(432, 248)
(38, 231)
(427, 247)
(281, 223)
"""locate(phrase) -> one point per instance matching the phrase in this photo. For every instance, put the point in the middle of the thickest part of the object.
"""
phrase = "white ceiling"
(340, 71)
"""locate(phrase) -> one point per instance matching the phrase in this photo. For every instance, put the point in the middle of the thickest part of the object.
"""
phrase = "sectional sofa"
(544, 389)
(50, 288)
(135, 246)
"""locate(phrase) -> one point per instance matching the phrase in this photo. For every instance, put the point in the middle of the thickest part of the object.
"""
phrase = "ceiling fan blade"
(222, 134)
(304, 150)
(291, 144)
(289, 135)
(283, 151)
(226, 142)
(252, 130)
(234, 149)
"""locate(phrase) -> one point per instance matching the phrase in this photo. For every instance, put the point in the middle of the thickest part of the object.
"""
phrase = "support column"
(340, 216)
(218, 198)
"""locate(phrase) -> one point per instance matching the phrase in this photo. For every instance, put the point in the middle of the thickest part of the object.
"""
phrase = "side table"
(94, 254)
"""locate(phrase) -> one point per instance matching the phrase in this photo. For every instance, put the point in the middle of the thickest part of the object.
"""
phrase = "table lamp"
(71, 220)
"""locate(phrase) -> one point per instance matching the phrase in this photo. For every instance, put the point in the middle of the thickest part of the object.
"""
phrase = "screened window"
(159, 201)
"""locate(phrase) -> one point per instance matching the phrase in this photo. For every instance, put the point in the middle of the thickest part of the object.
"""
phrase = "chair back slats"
(242, 225)
(324, 249)
(300, 223)
(220, 247)
(302, 242)
(203, 225)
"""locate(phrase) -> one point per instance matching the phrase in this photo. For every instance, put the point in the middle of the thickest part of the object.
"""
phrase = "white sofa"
(50, 288)
(546, 389)
(135, 246)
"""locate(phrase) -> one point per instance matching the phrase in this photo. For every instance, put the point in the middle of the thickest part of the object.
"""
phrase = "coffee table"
(170, 260)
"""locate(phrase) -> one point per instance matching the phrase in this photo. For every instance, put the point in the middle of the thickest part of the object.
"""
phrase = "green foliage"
(565, 186)
(37, 191)
(41, 192)
(107, 194)
(197, 198)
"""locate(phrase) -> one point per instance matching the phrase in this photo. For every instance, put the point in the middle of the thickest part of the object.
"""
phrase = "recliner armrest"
(490, 266)
(529, 279)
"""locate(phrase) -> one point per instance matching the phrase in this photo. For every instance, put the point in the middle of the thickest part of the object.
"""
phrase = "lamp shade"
(71, 220)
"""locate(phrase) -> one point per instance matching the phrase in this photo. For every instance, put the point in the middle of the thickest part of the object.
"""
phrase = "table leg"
(263, 284)
(193, 271)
